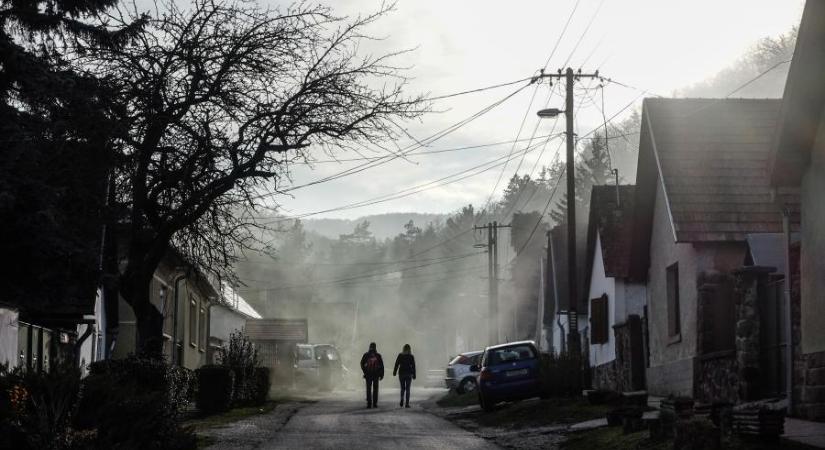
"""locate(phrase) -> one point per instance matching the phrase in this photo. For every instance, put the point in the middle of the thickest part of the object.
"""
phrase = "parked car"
(459, 376)
(509, 372)
(318, 365)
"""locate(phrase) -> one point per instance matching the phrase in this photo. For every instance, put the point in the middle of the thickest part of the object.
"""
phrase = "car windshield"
(327, 352)
(460, 359)
(510, 354)
(304, 353)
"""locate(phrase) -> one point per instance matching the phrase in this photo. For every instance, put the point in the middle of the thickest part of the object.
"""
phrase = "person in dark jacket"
(373, 367)
(405, 368)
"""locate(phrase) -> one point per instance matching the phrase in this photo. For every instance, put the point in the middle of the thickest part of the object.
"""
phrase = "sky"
(656, 46)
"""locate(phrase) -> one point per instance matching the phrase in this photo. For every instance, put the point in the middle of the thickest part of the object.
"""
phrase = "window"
(202, 330)
(599, 320)
(673, 322)
(193, 321)
(304, 353)
(511, 354)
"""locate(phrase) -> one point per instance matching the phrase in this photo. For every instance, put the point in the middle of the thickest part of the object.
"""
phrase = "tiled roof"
(614, 223)
(283, 330)
(234, 301)
(714, 158)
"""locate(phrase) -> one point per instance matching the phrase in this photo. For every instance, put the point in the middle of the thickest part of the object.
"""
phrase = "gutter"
(786, 228)
(177, 280)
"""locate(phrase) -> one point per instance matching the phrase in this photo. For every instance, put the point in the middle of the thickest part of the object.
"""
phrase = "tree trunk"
(136, 292)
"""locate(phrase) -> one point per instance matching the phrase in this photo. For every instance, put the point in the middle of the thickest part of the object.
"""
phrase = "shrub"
(260, 383)
(216, 385)
(136, 403)
(239, 352)
(36, 409)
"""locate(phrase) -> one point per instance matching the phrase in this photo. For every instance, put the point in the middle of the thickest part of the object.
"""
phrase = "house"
(227, 316)
(798, 162)
(617, 301)
(557, 293)
(184, 296)
(276, 340)
(702, 188)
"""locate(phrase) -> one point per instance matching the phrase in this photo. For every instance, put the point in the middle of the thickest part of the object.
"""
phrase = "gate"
(772, 324)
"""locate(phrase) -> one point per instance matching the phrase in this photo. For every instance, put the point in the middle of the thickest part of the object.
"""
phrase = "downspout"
(786, 228)
(178, 279)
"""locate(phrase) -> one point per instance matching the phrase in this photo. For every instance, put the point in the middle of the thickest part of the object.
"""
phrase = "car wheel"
(467, 385)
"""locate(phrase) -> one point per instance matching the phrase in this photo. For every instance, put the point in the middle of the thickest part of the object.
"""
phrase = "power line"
(563, 31)
(410, 148)
(371, 275)
(449, 179)
(586, 29)
(487, 88)
(443, 150)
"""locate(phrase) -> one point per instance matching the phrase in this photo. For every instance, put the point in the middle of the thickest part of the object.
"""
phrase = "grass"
(526, 413)
(233, 415)
(453, 399)
(613, 438)
(533, 413)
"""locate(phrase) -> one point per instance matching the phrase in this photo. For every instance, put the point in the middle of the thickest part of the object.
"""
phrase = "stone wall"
(618, 374)
(809, 369)
(718, 379)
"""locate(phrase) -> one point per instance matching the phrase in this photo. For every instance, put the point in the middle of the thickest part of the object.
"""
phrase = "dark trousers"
(372, 391)
(406, 382)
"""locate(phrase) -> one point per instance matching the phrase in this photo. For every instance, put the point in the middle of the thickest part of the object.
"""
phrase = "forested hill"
(382, 225)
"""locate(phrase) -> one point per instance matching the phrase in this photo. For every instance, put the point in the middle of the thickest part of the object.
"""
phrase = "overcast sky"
(655, 45)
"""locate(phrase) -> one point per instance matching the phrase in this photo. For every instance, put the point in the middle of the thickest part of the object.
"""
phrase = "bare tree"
(220, 97)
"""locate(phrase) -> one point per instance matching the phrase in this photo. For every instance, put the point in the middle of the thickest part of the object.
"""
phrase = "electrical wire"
(487, 88)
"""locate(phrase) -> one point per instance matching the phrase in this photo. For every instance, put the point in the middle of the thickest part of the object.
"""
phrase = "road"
(341, 421)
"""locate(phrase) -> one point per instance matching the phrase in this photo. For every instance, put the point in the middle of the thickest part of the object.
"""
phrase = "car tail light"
(485, 374)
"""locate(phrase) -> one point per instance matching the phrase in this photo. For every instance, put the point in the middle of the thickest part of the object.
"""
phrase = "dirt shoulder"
(529, 424)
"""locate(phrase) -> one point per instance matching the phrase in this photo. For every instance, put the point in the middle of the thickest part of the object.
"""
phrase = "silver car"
(459, 376)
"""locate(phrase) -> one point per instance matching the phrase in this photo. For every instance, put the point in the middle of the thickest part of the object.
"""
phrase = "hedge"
(135, 403)
(216, 388)
(251, 385)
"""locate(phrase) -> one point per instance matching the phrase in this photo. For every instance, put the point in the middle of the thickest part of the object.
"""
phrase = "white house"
(617, 302)
(227, 316)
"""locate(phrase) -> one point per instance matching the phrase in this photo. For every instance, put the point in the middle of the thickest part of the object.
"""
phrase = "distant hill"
(383, 226)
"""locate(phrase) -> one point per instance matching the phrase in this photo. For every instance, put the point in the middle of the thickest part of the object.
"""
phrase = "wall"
(8, 337)
(602, 284)
(813, 248)
(694, 259)
(223, 321)
(192, 357)
(671, 358)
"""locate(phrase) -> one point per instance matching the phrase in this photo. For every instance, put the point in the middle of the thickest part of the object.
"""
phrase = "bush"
(136, 403)
(216, 386)
(260, 384)
(36, 409)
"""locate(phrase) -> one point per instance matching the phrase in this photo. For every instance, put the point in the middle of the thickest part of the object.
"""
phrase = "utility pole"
(574, 340)
(492, 276)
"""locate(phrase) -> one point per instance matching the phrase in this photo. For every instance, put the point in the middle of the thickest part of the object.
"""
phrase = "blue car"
(509, 372)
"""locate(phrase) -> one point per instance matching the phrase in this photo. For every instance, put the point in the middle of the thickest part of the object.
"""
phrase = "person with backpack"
(373, 367)
(405, 368)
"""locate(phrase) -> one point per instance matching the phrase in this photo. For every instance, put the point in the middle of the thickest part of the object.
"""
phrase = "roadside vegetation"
(613, 438)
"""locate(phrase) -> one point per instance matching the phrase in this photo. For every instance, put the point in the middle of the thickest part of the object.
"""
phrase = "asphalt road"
(341, 421)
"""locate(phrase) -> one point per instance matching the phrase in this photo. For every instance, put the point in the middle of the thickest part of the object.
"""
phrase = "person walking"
(373, 367)
(405, 368)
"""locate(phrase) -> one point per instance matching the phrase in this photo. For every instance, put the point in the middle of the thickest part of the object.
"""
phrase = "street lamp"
(549, 113)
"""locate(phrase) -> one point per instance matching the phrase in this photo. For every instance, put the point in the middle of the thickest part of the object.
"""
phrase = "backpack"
(372, 365)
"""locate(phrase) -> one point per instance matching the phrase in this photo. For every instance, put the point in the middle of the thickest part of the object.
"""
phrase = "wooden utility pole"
(574, 340)
(492, 277)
